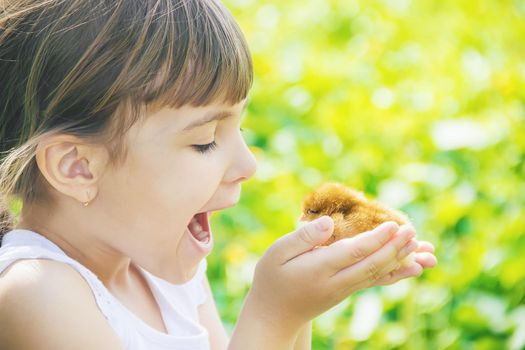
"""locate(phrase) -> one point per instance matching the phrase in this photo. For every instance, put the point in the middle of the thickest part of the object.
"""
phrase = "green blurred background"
(420, 104)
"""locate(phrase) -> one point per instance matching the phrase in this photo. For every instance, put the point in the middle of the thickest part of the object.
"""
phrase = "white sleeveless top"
(177, 302)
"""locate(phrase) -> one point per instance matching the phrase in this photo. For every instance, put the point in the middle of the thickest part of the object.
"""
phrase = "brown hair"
(88, 68)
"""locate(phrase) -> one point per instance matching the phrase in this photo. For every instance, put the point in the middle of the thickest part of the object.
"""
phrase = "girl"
(120, 135)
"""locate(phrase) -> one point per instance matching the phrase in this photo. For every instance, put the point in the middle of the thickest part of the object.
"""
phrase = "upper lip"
(220, 208)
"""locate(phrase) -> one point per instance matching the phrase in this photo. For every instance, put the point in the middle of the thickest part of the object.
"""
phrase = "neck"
(111, 266)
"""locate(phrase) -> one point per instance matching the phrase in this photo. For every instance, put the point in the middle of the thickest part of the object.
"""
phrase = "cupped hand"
(296, 279)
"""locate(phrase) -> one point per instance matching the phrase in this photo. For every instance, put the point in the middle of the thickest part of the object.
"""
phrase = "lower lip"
(203, 220)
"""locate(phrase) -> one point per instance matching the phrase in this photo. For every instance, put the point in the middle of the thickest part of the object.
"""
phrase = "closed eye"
(205, 148)
(310, 211)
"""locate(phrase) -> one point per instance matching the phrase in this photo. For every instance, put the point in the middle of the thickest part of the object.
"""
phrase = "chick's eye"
(205, 148)
(310, 211)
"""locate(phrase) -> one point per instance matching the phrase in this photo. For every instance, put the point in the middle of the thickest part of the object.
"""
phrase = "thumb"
(303, 239)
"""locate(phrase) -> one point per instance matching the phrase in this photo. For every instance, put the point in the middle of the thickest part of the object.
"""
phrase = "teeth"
(202, 236)
(196, 228)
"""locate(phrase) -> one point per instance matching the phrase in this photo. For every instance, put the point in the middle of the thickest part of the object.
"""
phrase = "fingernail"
(389, 227)
(323, 223)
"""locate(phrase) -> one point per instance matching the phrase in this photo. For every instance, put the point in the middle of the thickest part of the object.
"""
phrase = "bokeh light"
(418, 103)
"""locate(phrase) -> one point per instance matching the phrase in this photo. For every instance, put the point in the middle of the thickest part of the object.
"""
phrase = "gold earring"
(86, 203)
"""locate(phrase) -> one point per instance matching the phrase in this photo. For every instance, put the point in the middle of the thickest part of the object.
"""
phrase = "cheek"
(191, 178)
(180, 181)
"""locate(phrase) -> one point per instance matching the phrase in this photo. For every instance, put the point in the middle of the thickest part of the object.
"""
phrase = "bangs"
(89, 68)
(202, 57)
(92, 66)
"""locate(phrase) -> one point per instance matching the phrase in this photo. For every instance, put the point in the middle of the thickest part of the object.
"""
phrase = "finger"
(303, 239)
(399, 262)
(390, 278)
(422, 260)
(414, 270)
(370, 268)
(348, 251)
(426, 260)
(410, 247)
(426, 247)
(406, 228)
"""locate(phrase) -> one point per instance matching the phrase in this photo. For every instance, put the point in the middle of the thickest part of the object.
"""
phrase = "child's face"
(166, 180)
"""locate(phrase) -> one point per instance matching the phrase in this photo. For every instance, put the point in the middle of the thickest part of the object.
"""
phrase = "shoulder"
(40, 301)
(40, 279)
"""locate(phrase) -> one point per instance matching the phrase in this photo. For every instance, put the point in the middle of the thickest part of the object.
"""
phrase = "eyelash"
(209, 146)
(206, 148)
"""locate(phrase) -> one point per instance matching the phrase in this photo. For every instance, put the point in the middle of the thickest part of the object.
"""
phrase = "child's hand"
(296, 280)
(424, 258)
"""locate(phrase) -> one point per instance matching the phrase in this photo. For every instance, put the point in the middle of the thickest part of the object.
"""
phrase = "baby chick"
(350, 210)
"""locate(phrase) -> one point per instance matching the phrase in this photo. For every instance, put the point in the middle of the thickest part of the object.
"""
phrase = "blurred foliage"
(421, 104)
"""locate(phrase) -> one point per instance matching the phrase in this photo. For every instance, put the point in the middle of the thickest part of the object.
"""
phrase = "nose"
(243, 165)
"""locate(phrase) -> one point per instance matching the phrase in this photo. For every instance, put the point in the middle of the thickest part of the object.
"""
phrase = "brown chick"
(350, 210)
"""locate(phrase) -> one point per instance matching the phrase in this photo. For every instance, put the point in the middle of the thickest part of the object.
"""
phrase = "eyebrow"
(211, 117)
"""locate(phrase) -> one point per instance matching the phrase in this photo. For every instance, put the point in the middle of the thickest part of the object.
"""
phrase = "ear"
(71, 166)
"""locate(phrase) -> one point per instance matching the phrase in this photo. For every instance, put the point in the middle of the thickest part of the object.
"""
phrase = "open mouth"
(199, 227)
